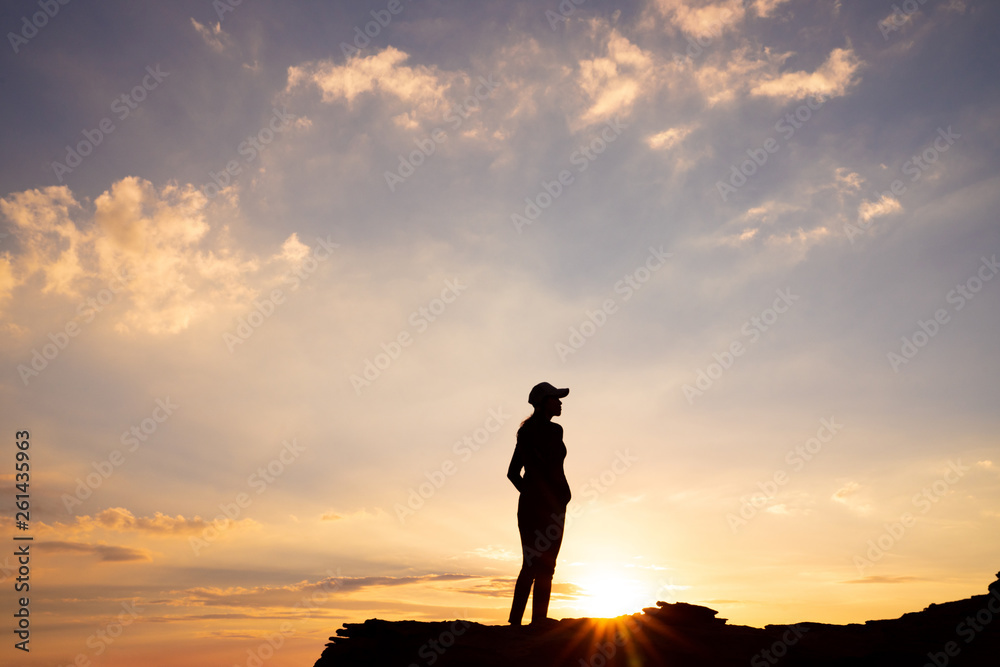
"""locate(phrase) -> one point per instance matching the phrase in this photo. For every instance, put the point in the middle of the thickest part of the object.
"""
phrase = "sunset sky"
(276, 278)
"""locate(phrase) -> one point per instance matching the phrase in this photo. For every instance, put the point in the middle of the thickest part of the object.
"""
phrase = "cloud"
(420, 89)
(105, 552)
(503, 587)
(727, 76)
(157, 236)
(493, 552)
(765, 8)
(293, 250)
(215, 37)
(768, 212)
(883, 579)
(49, 239)
(722, 78)
(801, 238)
(706, 20)
(568, 591)
(612, 82)
(154, 247)
(791, 504)
(771, 225)
(361, 514)
(7, 280)
(886, 205)
(987, 465)
(668, 138)
(119, 519)
(847, 496)
(845, 492)
(293, 594)
(847, 181)
(832, 79)
(494, 587)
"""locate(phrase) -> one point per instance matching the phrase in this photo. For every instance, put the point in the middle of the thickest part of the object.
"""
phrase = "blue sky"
(743, 218)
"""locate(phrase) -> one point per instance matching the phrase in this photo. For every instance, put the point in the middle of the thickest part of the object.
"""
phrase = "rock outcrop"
(963, 633)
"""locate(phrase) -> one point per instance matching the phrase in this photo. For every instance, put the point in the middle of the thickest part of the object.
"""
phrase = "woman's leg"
(546, 564)
(540, 603)
(541, 532)
(521, 590)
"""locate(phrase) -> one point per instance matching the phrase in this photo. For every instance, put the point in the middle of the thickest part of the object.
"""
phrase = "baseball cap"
(544, 390)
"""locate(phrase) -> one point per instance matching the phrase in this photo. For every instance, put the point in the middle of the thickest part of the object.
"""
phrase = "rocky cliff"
(964, 633)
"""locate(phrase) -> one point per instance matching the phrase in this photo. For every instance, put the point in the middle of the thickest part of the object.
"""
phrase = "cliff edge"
(965, 633)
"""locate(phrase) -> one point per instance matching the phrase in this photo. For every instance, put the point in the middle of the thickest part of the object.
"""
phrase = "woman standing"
(541, 508)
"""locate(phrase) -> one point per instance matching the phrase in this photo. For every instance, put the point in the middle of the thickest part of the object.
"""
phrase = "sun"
(610, 595)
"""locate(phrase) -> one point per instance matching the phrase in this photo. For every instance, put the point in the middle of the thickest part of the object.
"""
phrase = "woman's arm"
(514, 469)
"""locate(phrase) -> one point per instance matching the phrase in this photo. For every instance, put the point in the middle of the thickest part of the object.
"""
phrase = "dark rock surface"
(964, 633)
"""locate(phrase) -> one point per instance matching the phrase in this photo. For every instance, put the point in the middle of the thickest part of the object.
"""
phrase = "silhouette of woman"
(541, 508)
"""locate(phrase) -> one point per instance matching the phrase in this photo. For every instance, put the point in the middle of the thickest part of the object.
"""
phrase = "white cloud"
(7, 280)
(847, 495)
(494, 552)
(727, 76)
(831, 79)
(612, 82)
(761, 226)
(357, 515)
(421, 88)
(768, 212)
(215, 37)
(712, 19)
(293, 250)
(709, 20)
(847, 181)
(668, 138)
(177, 267)
(886, 205)
(722, 78)
(50, 240)
(765, 8)
(105, 552)
(121, 520)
